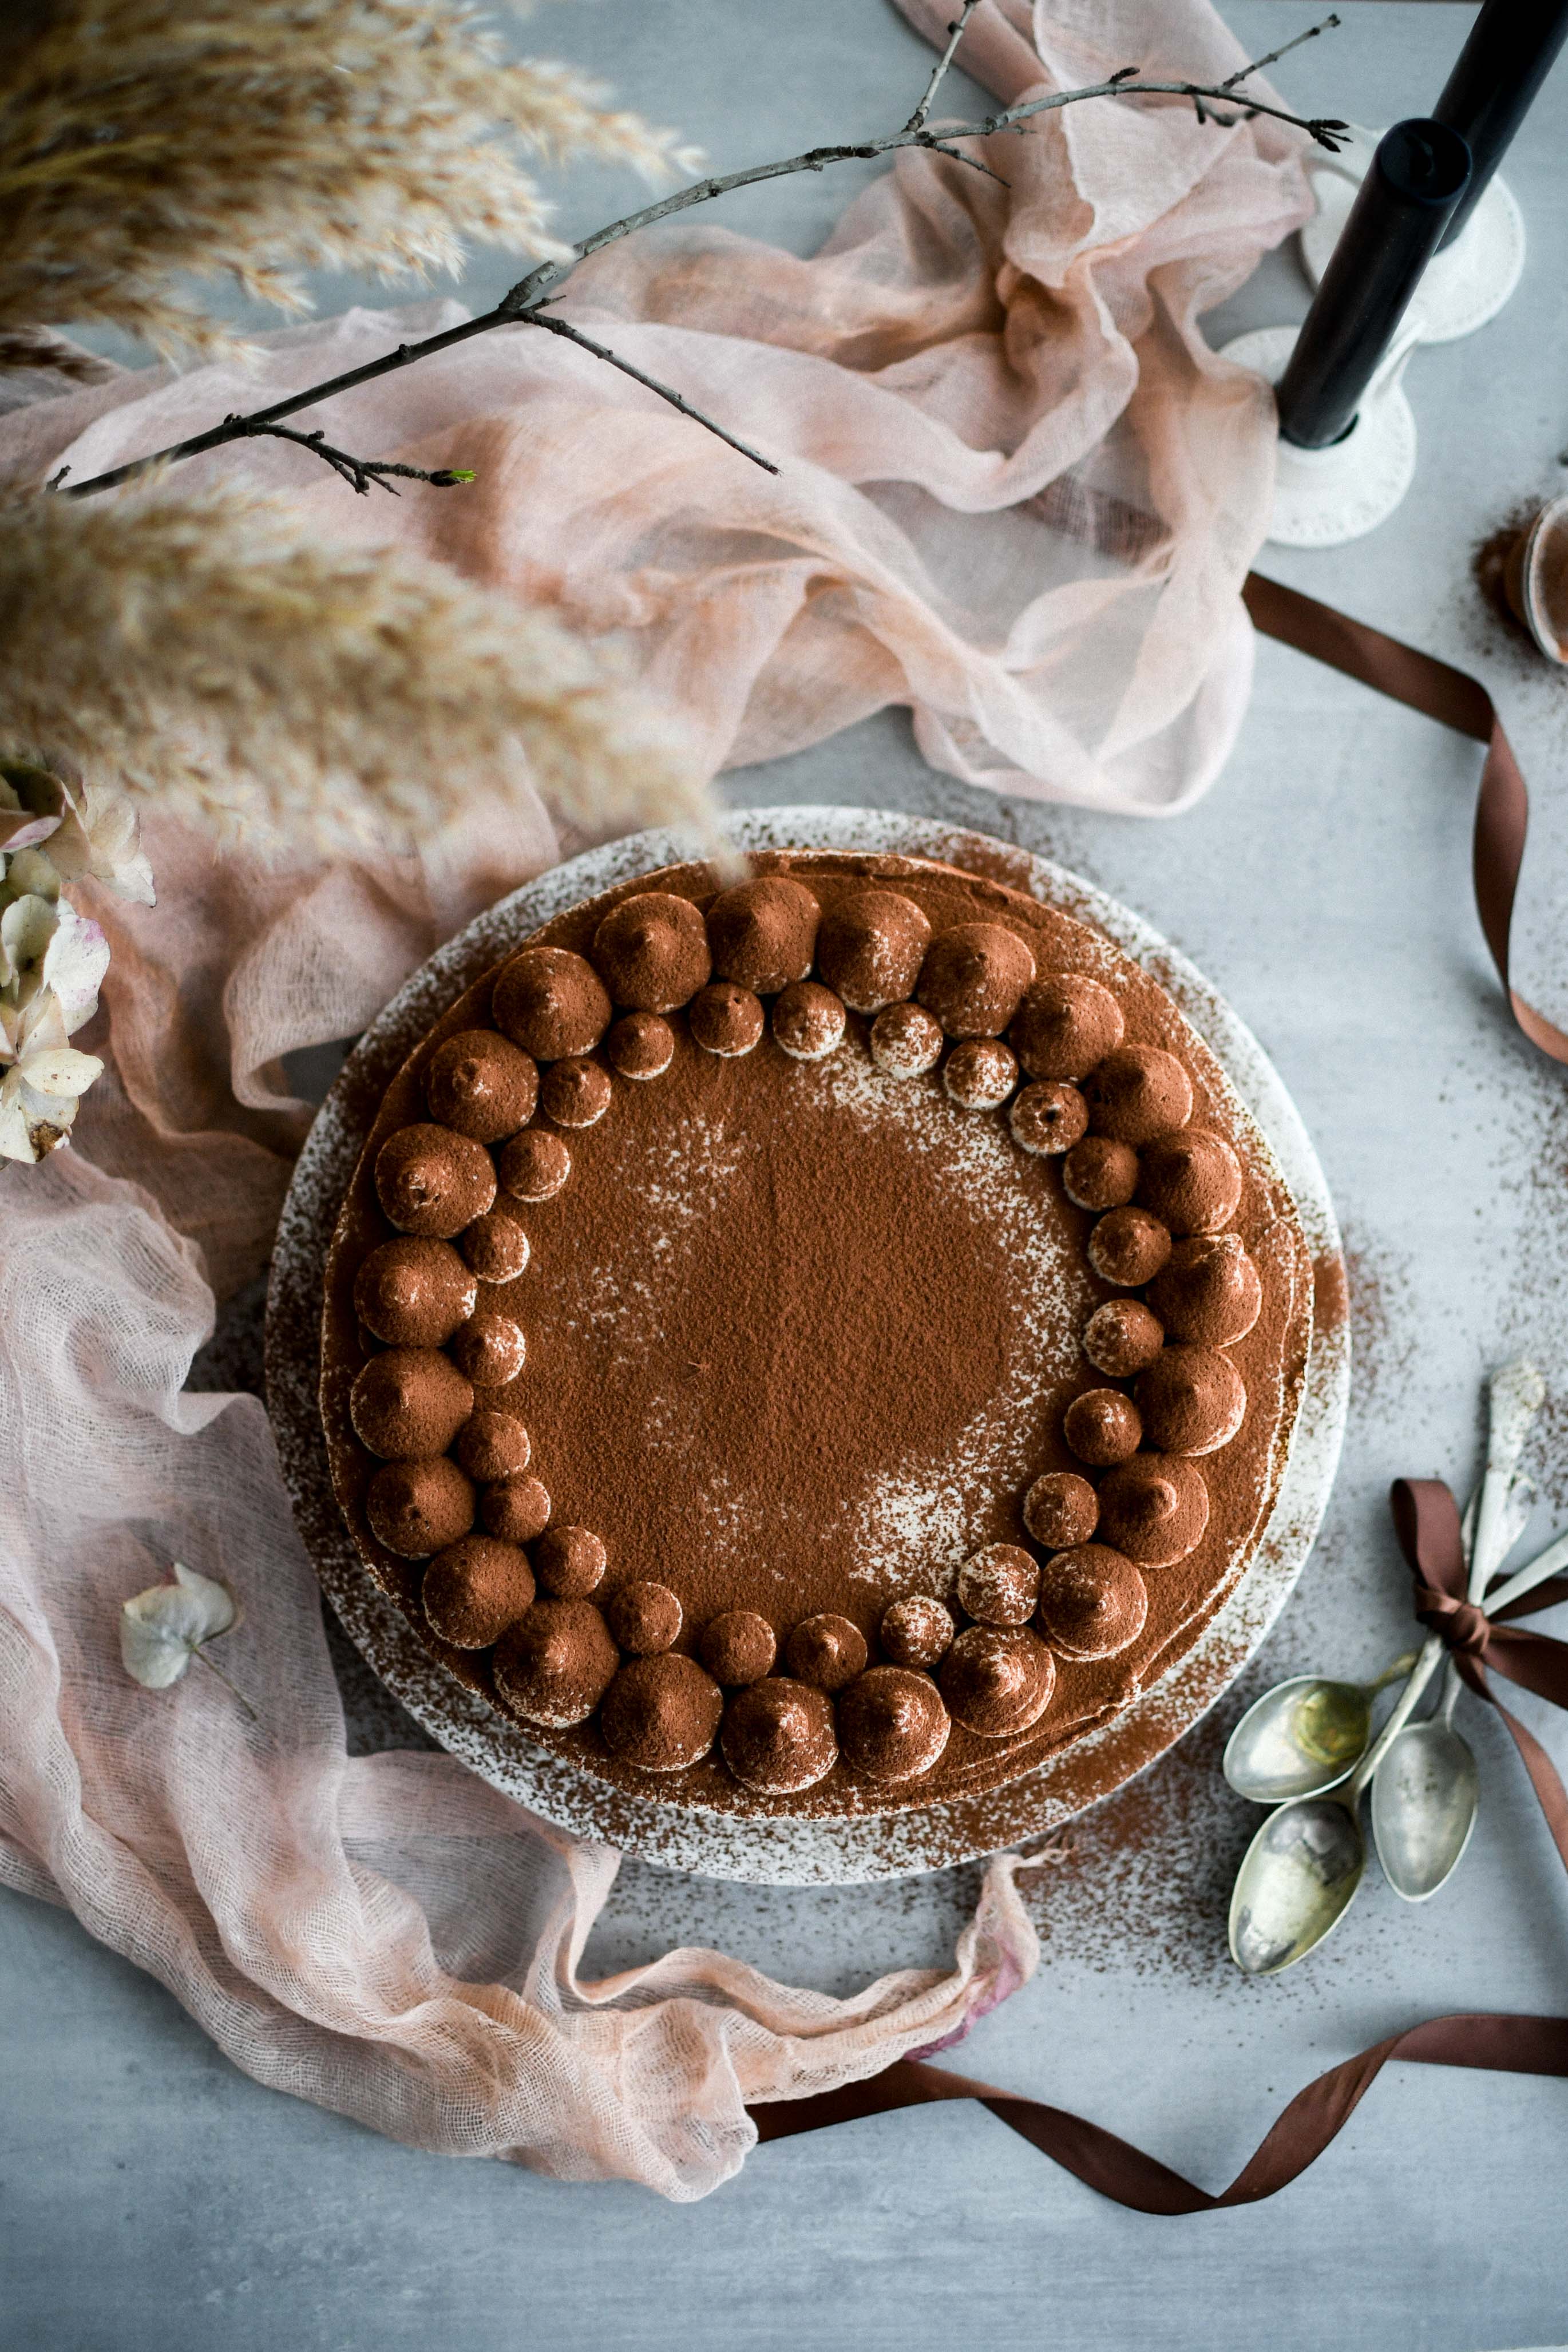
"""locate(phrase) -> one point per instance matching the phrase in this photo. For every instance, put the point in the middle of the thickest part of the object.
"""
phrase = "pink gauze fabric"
(1019, 496)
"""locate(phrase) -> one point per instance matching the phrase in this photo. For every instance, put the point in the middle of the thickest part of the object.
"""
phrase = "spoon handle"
(1535, 1571)
(1515, 1395)
(1514, 1518)
(1405, 1708)
(1483, 1532)
(1448, 1697)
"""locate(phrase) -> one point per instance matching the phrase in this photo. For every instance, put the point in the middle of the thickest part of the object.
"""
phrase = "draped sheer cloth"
(1018, 496)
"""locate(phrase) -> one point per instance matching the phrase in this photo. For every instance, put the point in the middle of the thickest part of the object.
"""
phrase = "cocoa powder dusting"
(720, 1305)
(800, 1335)
(1384, 1326)
(1140, 1883)
(1537, 1175)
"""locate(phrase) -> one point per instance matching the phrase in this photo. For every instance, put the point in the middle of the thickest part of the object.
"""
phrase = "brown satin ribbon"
(1455, 699)
(1426, 1521)
(1502, 2045)
(1428, 1527)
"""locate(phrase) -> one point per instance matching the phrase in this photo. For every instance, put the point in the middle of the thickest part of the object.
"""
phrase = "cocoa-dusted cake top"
(780, 1413)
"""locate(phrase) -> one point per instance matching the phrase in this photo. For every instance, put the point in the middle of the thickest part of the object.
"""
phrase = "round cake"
(819, 1346)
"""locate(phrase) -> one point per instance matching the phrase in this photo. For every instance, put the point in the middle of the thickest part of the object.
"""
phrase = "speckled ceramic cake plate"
(811, 1850)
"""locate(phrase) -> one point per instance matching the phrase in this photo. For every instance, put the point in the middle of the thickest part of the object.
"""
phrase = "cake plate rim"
(794, 1851)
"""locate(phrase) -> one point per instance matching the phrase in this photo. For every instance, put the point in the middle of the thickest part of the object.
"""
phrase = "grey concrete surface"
(151, 2199)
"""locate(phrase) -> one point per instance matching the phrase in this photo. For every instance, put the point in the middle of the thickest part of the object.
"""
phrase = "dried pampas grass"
(202, 650)
(145, 141)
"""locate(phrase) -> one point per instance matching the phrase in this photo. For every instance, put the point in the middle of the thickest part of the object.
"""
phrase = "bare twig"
(955, 35)
(955, 155)
(1324, 130)
(1329, 24)
(551, 274)
(522, 304)
(665, 391)
(360, 474)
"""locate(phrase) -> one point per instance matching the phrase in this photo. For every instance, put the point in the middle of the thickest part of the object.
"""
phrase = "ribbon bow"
(1426, 1521)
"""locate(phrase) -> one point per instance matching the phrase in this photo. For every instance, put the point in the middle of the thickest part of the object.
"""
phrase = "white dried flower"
(52, 958)
(48, 946)
(31, 874)
(19, 827)
(39, 1096)
(163, 1629)
(91, 830)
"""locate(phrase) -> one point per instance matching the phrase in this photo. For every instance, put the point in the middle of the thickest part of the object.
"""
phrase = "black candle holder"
(1418, 175)
(1347, 436)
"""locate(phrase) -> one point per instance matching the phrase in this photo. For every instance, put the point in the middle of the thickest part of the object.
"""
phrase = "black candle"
(1513, 47)
(1404, 205)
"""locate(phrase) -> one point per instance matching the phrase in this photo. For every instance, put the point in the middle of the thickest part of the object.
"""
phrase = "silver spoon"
(1299, 1876)
(1428, 1790)
(1426, 1793)
(1304, 1735)
(1302, 1871)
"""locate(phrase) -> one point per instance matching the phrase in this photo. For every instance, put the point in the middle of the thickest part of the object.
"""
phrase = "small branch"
(360, 474)
(933, 143)
(1329, 24)
(218, 436)
(917, 120)
(665, 391)
(550, 275)
(1325, 131)
(523, 304)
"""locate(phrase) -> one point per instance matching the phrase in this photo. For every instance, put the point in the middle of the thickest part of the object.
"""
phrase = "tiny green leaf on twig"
(360, 474)
(163, 1629)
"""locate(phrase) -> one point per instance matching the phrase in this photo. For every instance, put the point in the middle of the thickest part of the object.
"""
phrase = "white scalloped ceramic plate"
(717, 1845)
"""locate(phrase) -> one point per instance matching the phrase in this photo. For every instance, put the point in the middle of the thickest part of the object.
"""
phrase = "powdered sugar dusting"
(915, 1525)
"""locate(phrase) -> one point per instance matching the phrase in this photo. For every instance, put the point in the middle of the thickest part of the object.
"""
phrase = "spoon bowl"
(1295, 1882)
(1303, 1737)
(1427, 1791)
(1424, 1804)
(1299, 1875)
